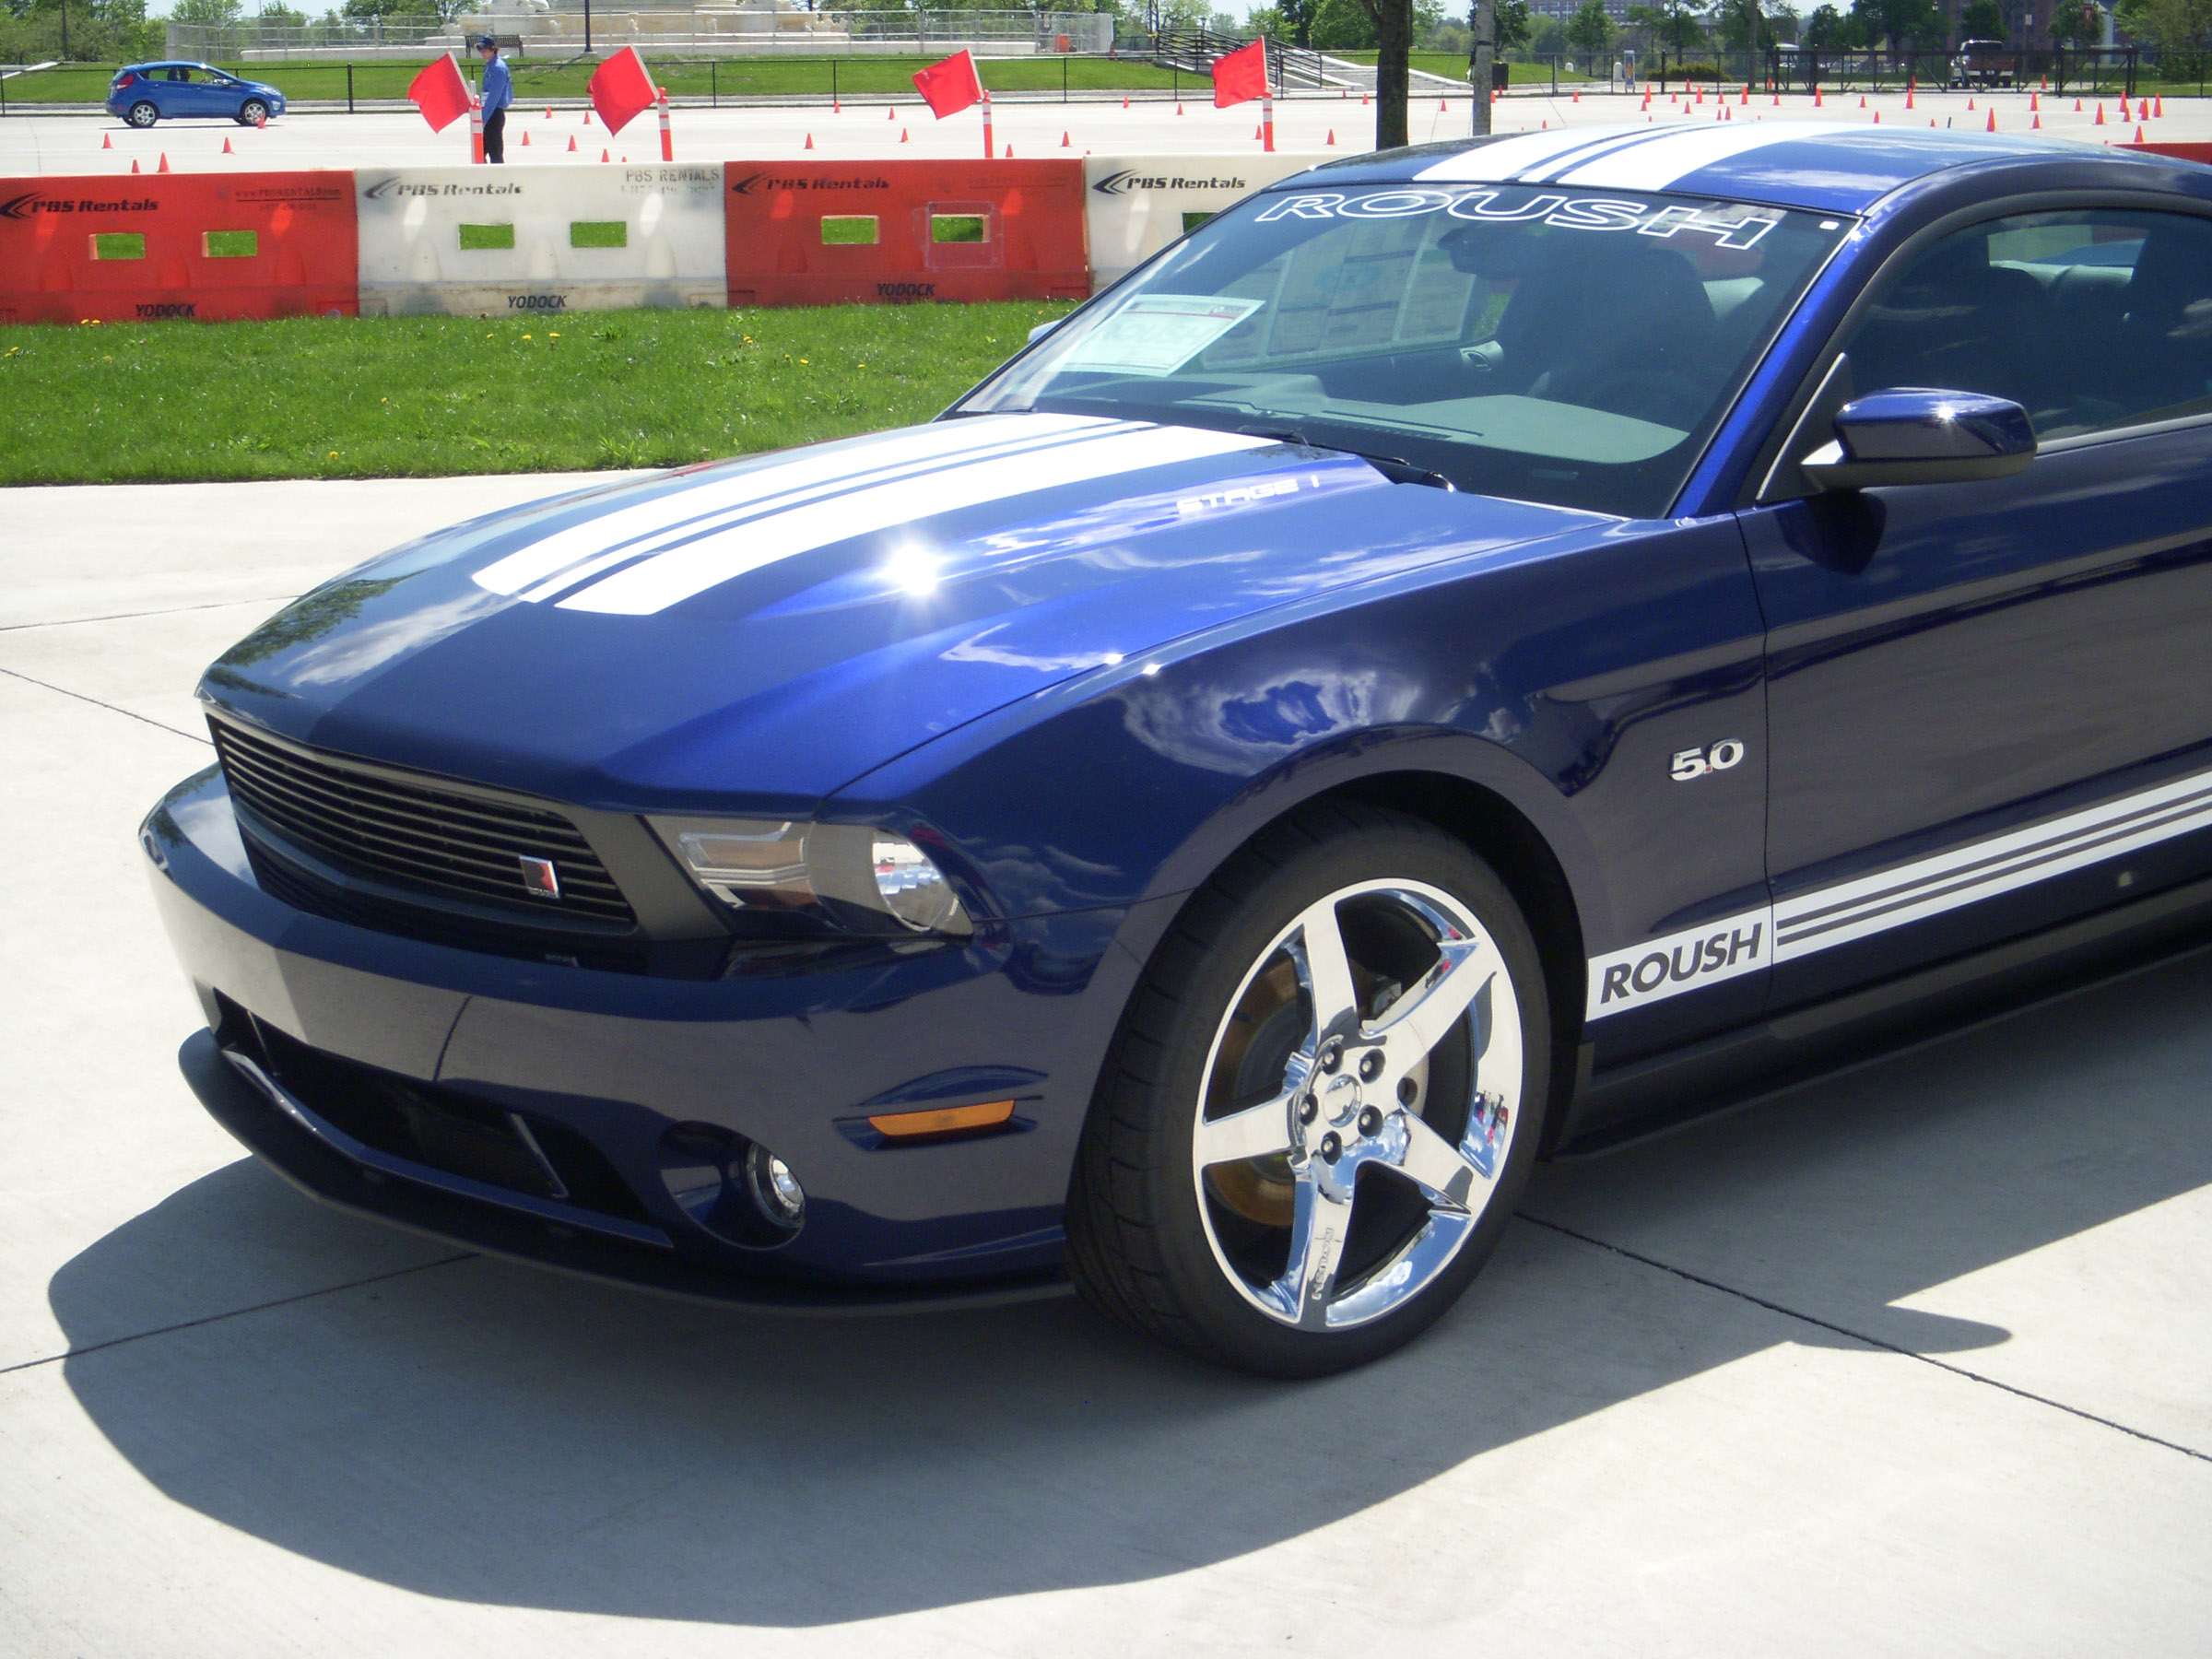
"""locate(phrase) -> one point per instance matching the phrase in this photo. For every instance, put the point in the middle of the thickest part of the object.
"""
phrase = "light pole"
(1483, 70)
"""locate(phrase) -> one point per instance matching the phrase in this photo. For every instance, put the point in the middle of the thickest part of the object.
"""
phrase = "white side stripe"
(674, 513)
(671, 576)
(1808, 923)
(1839, 914)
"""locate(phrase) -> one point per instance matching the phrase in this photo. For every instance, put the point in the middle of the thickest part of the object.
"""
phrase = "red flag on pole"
(621, 90)
(439, 93)
(950, 87)
(1241, 75)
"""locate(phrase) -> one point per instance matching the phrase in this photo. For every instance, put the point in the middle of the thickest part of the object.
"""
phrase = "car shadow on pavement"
(490, 1433)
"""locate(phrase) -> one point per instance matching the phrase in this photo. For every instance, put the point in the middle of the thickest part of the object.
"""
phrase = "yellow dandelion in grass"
(527, 337)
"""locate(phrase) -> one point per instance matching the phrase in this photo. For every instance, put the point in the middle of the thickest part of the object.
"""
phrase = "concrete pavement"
(1915, 1361)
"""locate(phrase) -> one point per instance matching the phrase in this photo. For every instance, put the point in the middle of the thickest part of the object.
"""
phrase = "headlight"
(781, 876)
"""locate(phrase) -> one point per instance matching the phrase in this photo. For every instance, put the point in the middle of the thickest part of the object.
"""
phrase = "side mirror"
(1042, 329)
(1912, 435)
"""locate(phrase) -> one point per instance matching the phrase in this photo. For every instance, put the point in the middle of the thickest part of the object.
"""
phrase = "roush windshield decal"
(1806, 923)
(1731, 225)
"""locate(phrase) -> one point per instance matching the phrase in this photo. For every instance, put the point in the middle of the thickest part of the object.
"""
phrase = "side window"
(2088, 320)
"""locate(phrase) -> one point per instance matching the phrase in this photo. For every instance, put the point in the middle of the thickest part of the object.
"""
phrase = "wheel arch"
(1496, 804)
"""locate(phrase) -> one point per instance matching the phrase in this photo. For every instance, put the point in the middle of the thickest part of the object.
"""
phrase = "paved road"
(1918, 1360)
(71, 144)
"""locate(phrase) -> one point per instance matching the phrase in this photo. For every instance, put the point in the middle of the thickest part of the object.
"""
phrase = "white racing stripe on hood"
(670, 578)
(686, 511)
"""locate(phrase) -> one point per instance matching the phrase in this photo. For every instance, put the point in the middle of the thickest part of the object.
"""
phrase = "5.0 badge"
(1714, 757)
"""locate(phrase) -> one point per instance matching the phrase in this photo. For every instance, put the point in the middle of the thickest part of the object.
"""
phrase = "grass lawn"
(432, 396)
(734, 79)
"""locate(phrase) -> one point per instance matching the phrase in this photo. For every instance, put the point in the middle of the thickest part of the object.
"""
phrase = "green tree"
(1674, 27)
(1515, 25)
(1983, 20)
(2181, 30)
(1829, 30)
(1743, 25)
(1344, 26)
(2081, 22)
(1590, 30)
(205, 11)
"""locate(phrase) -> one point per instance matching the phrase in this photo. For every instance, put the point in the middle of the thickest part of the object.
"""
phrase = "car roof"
(1822, 165)
(174, 64)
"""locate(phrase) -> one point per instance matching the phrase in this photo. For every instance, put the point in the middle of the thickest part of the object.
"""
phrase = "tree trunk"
(1393, 39)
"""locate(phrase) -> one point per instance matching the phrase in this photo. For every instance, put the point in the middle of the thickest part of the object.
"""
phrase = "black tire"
(253, 112)
(143, 113)
(1146, 1227)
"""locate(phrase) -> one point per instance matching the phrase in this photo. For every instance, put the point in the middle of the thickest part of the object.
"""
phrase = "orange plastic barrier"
(831, 232)
(206, 245)
(2180, 152)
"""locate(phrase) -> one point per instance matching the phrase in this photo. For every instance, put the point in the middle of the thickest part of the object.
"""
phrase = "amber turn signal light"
(942, 1120)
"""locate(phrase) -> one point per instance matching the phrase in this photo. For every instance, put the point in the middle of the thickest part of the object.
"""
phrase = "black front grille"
(415, 835)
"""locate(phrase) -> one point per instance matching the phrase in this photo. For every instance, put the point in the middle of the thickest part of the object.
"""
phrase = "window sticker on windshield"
(1157, 334)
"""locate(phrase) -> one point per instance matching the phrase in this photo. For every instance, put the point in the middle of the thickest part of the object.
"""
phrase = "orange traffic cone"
(587, 118)
(525, 139)
(1701, 95)
(2035, 102)
(2078, 106)
(903, 136)
(2138, 132)
(1908, 98)
(1178, 109)
(1969, 102)
(106, 142)
(2035, 122)
(1331, 140)
(164, 167)
(809, 144)
(1009, 149)
(1124, 103)
(1063, 143)
(2157, 107)
(134, 164)
(1878, 118)
(2100, 120)
(604, 157)
(1817, 104)
(228, 150)
(1993, 119)
(889, 113)
(1578, 96)
(1362, 102)
(1256, 135)
(571, 143)
(1747, 92)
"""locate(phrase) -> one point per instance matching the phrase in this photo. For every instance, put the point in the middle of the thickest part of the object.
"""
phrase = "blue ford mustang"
(145, 93)
(1473, 648)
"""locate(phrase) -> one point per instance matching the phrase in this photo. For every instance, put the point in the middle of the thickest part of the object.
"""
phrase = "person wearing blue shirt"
(499, 92)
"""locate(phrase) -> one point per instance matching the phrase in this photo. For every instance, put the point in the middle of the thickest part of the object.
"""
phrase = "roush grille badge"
(539, 877)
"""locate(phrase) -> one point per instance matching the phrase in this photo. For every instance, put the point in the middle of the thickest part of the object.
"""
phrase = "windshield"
(1521, 341)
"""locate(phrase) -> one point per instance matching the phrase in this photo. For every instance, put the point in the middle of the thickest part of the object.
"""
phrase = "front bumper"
(793, 1059)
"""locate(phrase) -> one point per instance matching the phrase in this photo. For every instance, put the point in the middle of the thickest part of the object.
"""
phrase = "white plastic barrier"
(497, 241)
(1134, 206)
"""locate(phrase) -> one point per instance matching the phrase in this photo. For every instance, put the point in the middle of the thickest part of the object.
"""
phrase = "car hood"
(750, 635)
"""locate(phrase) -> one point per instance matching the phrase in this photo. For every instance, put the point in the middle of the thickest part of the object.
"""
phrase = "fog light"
(738, 1191)
(775, 1189)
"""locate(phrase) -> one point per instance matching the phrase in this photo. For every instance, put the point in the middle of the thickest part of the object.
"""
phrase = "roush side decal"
(1812, 922)
(1690, 960)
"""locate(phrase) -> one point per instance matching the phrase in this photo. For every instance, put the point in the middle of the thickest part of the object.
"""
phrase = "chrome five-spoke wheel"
(1326, 1094)
(1381, 1036)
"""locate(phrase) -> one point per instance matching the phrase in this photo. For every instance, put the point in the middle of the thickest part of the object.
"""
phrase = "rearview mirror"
(1912, 435)
(1042, 329)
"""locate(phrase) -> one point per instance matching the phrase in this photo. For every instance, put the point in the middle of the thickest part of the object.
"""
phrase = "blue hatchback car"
(145, 93)
(1473, 648)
